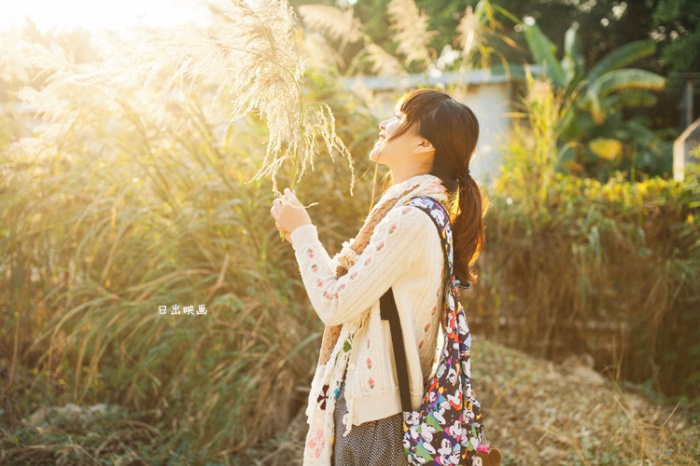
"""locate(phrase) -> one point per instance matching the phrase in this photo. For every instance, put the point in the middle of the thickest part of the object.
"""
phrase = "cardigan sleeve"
(397, 241)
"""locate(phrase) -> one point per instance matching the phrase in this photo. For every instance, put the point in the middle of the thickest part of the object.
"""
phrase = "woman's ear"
(424, 147)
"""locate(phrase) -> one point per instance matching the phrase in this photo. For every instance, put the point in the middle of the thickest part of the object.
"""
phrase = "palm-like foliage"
(598, 95)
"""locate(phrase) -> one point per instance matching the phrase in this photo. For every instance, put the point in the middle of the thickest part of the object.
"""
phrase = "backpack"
(447, 429)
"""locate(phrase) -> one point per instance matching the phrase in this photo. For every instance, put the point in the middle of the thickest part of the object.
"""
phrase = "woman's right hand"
(289, 213)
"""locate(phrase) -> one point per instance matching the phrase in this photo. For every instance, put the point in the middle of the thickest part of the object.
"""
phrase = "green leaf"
(574, 61)
(617, 81)
(627, 79)
(638, 132)
(544, 52)
(630, 98)
(621, 57)
(608, 149)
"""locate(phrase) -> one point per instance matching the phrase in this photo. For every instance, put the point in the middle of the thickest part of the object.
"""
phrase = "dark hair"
(453, 130)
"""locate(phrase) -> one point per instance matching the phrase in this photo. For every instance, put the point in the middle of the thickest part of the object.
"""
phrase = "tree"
(677, 28)
(596, 136)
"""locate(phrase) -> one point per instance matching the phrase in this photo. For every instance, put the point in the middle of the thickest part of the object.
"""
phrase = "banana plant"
(596, 94)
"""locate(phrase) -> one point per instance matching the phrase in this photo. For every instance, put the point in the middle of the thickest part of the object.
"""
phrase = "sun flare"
(102, 15)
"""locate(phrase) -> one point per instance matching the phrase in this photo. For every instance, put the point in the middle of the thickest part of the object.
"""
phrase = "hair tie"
(462, 182)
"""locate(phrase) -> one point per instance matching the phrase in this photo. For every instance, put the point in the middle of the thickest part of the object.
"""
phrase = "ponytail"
(468, 228)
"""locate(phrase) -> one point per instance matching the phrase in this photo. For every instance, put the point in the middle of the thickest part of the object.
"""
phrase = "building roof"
(495, 75)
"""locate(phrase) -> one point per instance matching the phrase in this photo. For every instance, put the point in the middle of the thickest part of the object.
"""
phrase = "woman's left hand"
(289, 213)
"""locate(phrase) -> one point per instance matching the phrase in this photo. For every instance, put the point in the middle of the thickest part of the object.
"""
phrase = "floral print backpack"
(447, 428)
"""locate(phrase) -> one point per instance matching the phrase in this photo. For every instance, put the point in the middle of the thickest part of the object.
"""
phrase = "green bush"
(576, 265)
(612, 270)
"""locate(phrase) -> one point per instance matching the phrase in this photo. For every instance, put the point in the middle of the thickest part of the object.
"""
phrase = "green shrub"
(576, 265)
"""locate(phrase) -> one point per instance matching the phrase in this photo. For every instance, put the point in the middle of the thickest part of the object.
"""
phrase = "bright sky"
(97, 15)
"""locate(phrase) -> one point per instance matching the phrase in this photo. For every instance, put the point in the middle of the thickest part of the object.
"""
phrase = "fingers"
(291, 197)
(276, 211)
(288, 199)
(288, 213)
(276, 208)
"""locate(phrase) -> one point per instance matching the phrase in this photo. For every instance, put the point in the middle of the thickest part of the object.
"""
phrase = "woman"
(354, 405)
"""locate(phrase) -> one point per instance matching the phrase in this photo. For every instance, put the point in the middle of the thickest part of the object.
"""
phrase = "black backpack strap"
(388, 311)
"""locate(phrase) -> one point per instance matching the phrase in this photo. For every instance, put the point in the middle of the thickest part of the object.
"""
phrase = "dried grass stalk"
(250, 54)
(339, 25)
(411, 31)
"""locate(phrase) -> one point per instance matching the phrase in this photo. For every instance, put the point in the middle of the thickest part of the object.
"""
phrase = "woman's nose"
(382, 125)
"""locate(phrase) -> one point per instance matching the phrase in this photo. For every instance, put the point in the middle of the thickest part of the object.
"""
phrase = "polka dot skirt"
(373, 443)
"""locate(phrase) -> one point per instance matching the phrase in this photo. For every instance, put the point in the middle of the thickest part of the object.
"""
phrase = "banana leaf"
(573, 61)
(545, 53)
(616, 81)
(621, 57)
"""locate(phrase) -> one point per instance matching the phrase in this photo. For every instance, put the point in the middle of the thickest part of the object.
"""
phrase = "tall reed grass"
(129, 196)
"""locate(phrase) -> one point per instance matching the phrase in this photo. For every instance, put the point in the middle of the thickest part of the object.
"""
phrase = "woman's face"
(389, 151)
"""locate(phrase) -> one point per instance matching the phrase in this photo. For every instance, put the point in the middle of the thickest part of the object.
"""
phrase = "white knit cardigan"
(404, 253)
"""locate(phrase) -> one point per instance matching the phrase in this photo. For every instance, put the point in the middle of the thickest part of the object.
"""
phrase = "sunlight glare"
(102, 15)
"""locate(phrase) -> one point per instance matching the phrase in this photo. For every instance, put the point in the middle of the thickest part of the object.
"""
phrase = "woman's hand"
(289, 214)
